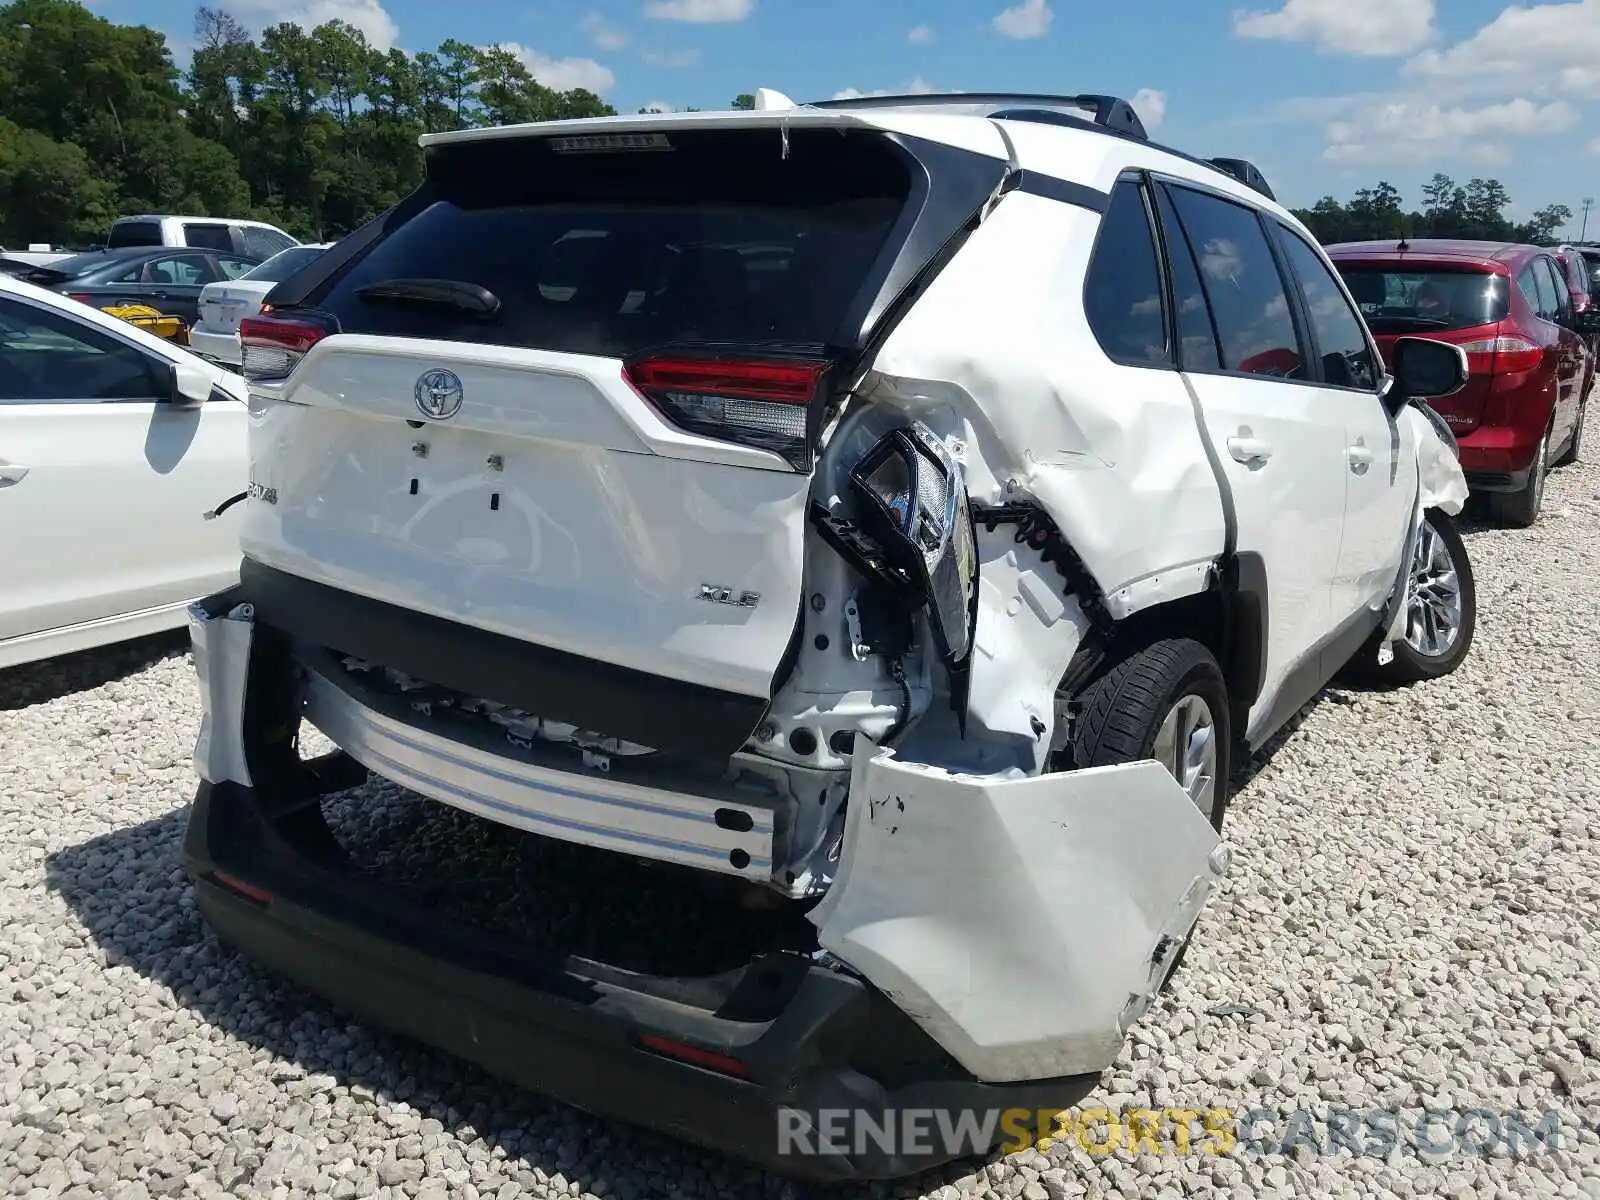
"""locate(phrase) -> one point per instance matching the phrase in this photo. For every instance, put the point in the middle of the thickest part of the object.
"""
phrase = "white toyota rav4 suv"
(903, 511)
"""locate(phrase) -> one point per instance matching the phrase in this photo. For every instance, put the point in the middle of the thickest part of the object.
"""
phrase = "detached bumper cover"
(992, 941)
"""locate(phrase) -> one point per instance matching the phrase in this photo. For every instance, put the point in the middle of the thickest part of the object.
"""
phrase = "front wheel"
(1520, 509)
(1441, 604)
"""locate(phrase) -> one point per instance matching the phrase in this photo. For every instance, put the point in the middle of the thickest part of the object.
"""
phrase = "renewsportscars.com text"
(1368, 1133)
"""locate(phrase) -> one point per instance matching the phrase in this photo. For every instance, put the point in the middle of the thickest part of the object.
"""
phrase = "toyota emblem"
(439, 394)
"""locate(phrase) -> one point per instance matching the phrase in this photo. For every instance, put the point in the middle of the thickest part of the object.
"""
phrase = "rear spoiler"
(29, 272)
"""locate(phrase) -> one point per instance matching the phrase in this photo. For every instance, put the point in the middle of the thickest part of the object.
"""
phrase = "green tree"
(744, 101)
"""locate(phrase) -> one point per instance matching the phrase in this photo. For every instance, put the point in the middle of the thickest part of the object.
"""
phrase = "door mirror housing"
(1587, 322)
(1427, 369)
(190, 385)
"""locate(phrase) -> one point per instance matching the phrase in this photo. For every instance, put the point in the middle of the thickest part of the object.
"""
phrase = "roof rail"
(1245, 172)
(1106, 112)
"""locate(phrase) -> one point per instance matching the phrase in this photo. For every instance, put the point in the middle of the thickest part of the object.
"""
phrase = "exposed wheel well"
(1229, 619)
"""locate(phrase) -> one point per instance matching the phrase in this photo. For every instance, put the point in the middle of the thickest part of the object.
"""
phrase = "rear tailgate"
(223, 305)
(1434, 298)
(615, 463)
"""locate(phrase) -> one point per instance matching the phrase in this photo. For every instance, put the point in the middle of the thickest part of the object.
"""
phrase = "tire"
(1520, 509)
(1121, 715)
(1574, 447)
(1413, 662)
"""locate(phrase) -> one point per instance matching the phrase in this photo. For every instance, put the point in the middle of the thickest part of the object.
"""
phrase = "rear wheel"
(1520, 509)
(1167, 701)
(1570, 454)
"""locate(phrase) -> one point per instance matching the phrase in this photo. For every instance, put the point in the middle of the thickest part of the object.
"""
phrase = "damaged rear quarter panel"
(1017, 920)
(1114, 454)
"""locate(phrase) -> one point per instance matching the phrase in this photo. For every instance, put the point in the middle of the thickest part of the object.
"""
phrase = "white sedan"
(224, 304)
(114, 447)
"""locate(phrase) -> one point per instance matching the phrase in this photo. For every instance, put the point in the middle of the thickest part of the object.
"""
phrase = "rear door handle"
(1250, 449)
(12, 473)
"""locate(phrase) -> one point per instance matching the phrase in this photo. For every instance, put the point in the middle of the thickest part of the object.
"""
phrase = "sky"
(1325, 96)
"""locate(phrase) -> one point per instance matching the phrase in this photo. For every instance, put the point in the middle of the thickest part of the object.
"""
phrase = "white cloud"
(1030, 19)
(699, 12)
(602, 33)
(921, 35)
(1151, 106)
(917, 87)
(1374, 28)
(1415, 133)
(1525, 49)
(369, 16)
(1594, 146)
(564, 74)
(676, 59)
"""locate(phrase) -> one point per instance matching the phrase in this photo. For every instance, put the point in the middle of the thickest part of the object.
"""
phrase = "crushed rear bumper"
(986, 943)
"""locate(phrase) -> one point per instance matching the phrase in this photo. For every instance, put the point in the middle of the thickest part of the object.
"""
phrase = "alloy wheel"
(1433, 599)
(1186, 744)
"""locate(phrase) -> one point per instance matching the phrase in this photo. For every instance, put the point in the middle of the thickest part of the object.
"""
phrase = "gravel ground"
(1413, 920)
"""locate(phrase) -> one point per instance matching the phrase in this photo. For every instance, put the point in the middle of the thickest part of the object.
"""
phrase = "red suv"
(1510, 308)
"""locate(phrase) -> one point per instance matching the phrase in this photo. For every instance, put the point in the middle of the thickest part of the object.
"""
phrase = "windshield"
(283, 264)
(1412, 300)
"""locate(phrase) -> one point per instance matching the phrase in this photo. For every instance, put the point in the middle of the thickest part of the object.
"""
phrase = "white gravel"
(1413, 920)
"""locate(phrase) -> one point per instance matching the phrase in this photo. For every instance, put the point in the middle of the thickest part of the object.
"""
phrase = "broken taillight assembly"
(761, 403)
(271, 346)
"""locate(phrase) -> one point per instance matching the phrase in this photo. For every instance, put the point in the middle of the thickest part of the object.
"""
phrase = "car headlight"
(915, 507)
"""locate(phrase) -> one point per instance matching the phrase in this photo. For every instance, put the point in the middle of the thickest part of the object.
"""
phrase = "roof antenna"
(1403, 245)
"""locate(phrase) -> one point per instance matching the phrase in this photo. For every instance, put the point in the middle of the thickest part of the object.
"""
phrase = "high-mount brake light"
(1503, 355)
(272, 346)
(753, 402)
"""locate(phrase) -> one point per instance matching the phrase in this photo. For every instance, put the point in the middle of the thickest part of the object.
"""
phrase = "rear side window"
(1241, 280)
(1347, 359)
(1400, 300)
(1560, 297)
(1122, 293)
(1539, 289)
(207, 236)
(134, 233)
(714, 237)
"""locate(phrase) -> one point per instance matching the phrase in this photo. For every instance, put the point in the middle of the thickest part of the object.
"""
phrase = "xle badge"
(717, 594)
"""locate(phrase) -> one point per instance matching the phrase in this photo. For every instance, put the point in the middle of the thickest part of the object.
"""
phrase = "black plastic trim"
(667, 714)
(1312, 673)
(1077, 194)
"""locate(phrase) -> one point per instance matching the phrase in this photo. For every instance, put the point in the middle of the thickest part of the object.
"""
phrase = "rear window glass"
(134, 233)
(724, 237)
(282, 265)
(1407, 301)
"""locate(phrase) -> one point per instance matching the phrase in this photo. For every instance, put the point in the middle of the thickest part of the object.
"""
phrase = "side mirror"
(191, 385)
(1425, 368)
(1587, 322)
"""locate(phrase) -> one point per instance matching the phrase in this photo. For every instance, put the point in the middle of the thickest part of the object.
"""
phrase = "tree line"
(316, 130)
(312, 130)
(1476, 209)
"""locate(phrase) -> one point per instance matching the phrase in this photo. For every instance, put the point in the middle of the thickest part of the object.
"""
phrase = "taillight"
(709, 1059)
(80, 297)
(1503, 355)
(758, 403)
(272, 346)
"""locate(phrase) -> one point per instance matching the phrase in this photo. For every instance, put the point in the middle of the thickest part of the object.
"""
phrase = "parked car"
(255, 239)
(165, 279)
(113, 444)
(223, 305)
(1510, 308)
(912, 528)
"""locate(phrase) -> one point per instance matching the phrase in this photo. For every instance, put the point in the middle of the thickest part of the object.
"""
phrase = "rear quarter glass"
(722, 238)
(1422, 300)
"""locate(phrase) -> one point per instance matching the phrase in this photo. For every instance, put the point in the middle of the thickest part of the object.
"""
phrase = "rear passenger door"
(1280, 439)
